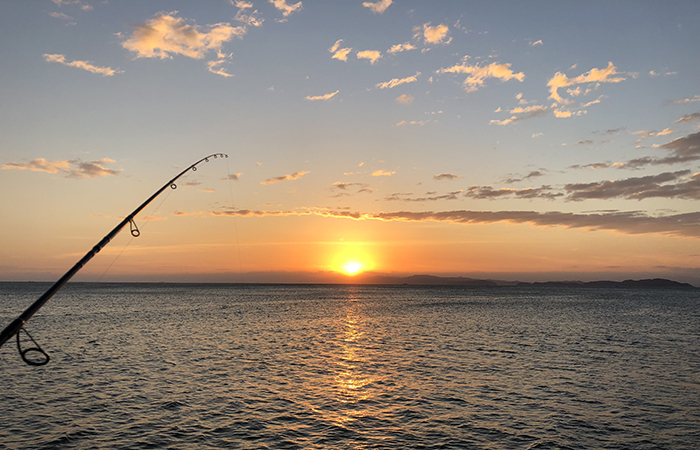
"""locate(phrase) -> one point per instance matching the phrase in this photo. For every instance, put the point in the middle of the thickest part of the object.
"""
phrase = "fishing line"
(235, 223)
(17, 325)
(135, 232)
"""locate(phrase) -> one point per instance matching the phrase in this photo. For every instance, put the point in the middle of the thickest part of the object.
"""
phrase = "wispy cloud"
(413, 122)
(532, 174)
(285, 8)
(398, 48)
(340, 53)
(430, 197)
(405, 99)
(525, 113)
(693, 99)
(73, 168)
(689, 117)
(58, 15)
(560, 80)
(294, 176)
(398, 81)
(626, 222)
(315, 98)
(478, 74)
(383, 173)
(489, 193)
(446, 176)
(372, 55)
(433, 35)
(85, 65)
(378, 7)
(344, 186)
(214, 66)
(79, 3)
(166, 35)
(639, 188)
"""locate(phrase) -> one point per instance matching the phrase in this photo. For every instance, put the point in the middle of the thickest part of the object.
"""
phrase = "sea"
(226, 366)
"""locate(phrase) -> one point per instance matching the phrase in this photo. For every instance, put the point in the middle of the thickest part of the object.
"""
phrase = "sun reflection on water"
(352, 382)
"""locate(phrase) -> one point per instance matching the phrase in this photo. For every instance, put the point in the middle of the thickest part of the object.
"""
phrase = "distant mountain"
(431, 280)
(428, 280)
(656, 283)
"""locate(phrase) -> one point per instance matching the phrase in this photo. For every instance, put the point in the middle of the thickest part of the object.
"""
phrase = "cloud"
(213, 67)
(251, 19)
(413, 122)
(165, 35)
(685, 100)
(625, 222)
(406, 46)
(324, 97)
(383, 173)
(398, 82)
(528, 113)
(378, 7)
(58, 15)
(536, 43)
(294, 176)
(405, 99)
(560, 80)
(665, 132)
(532, 174)
(489, 193)
(446, 176)
(78, 3)
(285, 8)
(639, 188)
(372, 55)
(339, 53)
(343, 186)
(683, 149)
(406, 197)
(74, 168)
(85, 65)
(478, 74)
(433, 35)
(233, 176)
(689, 117)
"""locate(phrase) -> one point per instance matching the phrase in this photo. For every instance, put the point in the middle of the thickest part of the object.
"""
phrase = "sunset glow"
(352, 268)
(466, 139)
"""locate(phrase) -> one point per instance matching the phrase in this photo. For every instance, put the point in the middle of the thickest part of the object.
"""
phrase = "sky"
(512, 140)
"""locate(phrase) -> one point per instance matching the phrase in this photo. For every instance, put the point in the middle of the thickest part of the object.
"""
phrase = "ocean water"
(352, 367)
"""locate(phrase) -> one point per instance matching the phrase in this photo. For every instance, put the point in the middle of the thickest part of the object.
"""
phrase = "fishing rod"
(17, 326)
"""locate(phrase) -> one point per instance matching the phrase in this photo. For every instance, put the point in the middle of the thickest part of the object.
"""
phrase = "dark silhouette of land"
(431, 280)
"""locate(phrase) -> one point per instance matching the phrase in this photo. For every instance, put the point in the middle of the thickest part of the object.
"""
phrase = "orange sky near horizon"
(455, 138)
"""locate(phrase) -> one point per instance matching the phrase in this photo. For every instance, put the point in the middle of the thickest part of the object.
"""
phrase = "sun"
(352, 267)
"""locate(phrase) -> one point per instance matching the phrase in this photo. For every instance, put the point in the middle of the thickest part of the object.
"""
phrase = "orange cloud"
(166, 35)
(560, 80)
(85, 65)
(285, 8)
(378, 7)
(72, 169)
(398, 81)
(478, 74)
(294, 176)
(433, 35)
(321, 97)
(371, 55)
